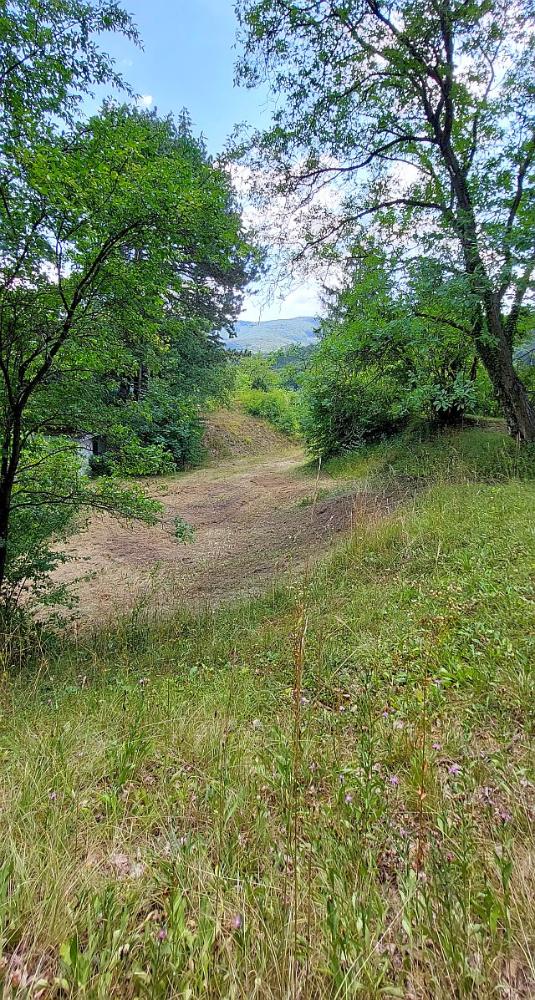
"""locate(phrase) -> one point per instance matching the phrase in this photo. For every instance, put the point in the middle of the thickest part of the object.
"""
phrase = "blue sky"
(188, 61)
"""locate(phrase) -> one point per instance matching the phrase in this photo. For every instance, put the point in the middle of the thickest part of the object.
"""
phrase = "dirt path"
(254, 519)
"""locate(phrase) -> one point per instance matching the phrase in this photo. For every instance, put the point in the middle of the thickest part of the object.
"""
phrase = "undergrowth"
(326, 792)
(278, 406)
(421, 455)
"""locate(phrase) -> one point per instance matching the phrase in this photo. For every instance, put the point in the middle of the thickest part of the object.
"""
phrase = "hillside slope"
(325, 793)
(246, 511)
(269, 335)
(233, 433)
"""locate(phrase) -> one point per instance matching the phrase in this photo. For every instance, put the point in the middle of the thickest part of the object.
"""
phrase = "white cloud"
(145, 101)
(301, 300)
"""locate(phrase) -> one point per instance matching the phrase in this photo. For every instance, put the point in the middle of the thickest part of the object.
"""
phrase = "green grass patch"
(476, 454)
(278, 406)
(326, 792)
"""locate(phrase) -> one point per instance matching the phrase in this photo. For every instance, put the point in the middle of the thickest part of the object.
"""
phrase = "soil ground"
(255, 517)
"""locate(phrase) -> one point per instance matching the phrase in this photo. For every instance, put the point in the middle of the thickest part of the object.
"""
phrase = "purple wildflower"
(349, 798)
(237, 922)
(162, 934)
(394, 780)
(454, 769)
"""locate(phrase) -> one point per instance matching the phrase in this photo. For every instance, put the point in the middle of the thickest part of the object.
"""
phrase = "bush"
(443, 398)
(50, 497)
(173, 425)
(278, 406)
(43, 512)
(345, 408)
(157, 436)
(256, 372)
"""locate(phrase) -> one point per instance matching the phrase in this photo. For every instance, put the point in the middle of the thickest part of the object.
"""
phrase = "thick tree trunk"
(11, 449)
(495, 352)
(511, 392)
(5, 505)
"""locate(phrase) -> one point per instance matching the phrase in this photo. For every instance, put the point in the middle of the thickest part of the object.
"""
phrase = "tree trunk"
(494, 347)
(511, 392)
(496, 353)
(11, 449)
(5, 505)
(497, 356)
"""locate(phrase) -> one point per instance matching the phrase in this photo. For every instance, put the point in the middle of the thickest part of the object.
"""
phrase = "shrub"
(50, 498)
(345, 408)
(443, 398)
(174, 425)
(49, 487)
(278, 406)
(156, 437)
(256, 372)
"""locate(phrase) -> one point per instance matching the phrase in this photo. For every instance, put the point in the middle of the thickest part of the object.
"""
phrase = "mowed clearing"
(256, 517)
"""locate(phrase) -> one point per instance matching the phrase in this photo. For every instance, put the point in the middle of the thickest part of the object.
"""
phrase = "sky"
(187, 61)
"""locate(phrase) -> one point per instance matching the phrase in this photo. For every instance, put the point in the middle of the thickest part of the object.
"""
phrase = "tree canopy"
(419, 117)
(122, 245)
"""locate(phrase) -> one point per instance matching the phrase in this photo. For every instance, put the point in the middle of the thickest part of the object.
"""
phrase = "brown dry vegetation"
(250, 514)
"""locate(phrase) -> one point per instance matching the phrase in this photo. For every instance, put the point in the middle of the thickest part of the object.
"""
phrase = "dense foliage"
(414, 120)
(122, 250)
(388, 354)
(262, 392)
(291, 362)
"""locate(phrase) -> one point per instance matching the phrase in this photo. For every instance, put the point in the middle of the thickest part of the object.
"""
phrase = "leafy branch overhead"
(420, 119)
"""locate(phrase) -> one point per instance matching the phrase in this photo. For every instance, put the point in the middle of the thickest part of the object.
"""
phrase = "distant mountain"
(273, 333)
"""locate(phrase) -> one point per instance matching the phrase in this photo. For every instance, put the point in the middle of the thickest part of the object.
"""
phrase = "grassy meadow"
(328, 792)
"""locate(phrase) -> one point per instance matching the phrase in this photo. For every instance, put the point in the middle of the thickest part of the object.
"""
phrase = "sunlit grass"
(191, 809)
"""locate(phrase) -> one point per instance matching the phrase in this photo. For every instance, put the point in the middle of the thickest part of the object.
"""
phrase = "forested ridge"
(266, 616)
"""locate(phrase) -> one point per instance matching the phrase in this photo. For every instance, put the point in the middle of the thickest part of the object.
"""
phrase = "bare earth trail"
(254, 518)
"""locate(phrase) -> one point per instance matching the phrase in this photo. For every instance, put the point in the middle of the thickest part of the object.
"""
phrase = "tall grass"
(280, 407)
(326, 792)
(422, 455)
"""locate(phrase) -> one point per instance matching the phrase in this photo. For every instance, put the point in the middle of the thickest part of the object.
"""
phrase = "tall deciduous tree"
(108, 228)
(421, 113)
(105, 233)
(50, 57)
